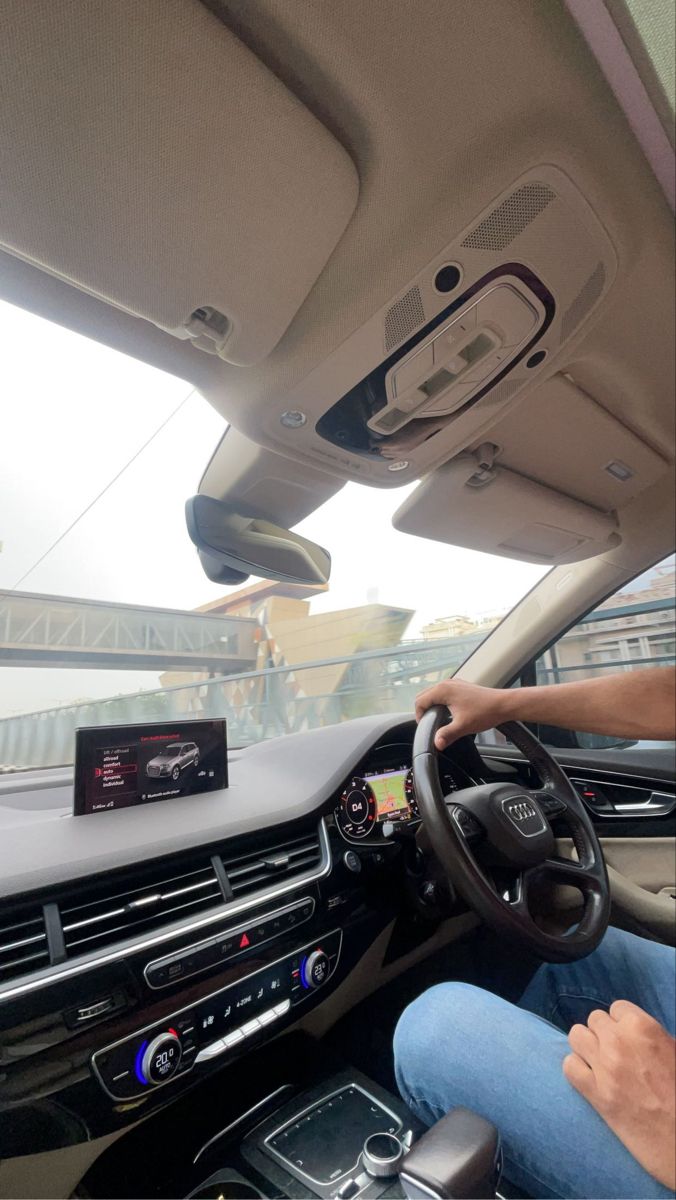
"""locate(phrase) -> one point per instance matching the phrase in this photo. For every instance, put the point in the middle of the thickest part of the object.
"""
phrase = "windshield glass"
(106, 616)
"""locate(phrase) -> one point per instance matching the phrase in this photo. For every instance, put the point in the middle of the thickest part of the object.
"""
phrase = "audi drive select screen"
(118, 766)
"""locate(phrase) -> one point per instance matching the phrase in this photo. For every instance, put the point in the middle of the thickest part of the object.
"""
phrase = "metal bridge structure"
(55, 631)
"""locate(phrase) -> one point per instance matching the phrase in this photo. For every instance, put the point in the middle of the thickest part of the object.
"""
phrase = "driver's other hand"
(473, 709)
(624, 1063)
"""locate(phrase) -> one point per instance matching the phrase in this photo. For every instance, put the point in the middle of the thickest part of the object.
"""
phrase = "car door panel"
(649, 862)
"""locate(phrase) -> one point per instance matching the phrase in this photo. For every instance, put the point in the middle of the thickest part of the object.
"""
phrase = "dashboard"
(141, 949)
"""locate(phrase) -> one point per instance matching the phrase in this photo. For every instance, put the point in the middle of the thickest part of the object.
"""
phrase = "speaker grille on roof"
(510, 218)
(584, 300)
(403, 318)
(503, 391)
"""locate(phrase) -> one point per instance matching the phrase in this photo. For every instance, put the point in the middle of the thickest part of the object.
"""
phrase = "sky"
(75, 412)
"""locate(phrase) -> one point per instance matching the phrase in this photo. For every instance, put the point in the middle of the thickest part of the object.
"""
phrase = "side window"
(633, 628)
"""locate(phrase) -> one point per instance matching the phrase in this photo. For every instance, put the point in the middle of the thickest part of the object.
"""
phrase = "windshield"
(106, 616)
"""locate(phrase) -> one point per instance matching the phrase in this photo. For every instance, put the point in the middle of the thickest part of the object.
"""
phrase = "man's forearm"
(637, 704)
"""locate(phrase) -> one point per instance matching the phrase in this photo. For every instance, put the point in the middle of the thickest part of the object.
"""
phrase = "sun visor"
(150, 159)
(501, 512)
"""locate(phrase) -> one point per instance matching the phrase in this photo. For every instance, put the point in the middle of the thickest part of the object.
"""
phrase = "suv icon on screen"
(173, 759)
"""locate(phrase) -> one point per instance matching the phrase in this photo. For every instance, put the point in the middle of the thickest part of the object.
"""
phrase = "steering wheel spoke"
(519, 894)
(585, 877)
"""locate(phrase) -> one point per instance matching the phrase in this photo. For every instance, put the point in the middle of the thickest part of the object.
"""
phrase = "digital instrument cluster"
(384, 792)
(372, 799)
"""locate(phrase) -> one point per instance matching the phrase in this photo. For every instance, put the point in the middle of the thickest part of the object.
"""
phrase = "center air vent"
(160, 899)
(138, 902)
(275, 863)
(23, 943)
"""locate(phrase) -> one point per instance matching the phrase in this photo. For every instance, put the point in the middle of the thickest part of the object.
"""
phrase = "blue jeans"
(457, 1044)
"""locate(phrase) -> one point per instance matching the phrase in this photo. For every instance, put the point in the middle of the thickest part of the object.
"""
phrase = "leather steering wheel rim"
(505, 814)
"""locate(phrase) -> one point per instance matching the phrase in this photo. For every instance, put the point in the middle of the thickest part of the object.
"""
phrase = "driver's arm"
(635, 704)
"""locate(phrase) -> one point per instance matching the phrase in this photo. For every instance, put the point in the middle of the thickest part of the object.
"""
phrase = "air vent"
(23, 943)
(137, 903)
(279, 862)
(403, 318)
(510, 218)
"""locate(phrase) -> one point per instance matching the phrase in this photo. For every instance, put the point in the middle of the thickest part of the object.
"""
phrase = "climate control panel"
(217, 1025)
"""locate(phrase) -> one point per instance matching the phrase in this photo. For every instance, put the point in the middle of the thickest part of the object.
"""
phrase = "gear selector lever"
(460, 1156)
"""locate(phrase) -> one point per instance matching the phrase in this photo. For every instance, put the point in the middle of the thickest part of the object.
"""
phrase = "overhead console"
(430, 372)
(465, 353)
(474, 341)
(435, 386)
(150, 159)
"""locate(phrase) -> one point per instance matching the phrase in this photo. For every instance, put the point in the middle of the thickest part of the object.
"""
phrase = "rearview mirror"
(233, 546)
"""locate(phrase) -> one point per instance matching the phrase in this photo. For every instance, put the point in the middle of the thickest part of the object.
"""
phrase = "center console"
(204, 1032)
(261, 935)
(348, 1135)
(294, 1120)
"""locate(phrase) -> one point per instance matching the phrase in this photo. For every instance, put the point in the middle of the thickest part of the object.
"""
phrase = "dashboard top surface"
(272, 782)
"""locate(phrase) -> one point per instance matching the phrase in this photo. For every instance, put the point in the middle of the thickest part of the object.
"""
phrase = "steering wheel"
(504, 828)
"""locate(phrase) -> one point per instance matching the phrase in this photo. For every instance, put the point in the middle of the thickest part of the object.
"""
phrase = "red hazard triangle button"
(244, 941)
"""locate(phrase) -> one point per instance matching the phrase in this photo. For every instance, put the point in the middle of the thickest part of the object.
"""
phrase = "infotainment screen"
(118, 766)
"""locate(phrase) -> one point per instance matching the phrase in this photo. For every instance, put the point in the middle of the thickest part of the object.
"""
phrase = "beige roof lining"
(440, 115)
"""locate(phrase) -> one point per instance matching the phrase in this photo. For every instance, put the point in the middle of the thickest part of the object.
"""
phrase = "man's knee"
(438, 1030)
(422, 1019)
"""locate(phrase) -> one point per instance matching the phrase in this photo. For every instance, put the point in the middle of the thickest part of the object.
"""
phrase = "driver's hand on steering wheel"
(474, 709)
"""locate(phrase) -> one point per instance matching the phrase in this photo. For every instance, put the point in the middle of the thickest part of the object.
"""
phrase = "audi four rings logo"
(522, 811)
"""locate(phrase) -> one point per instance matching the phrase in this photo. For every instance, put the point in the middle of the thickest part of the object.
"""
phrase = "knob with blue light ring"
(315, 969)
(158, 1060)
